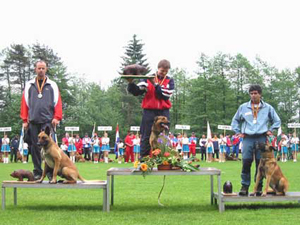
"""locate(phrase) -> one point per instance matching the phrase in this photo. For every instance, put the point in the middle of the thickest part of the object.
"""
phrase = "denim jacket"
(242, 121)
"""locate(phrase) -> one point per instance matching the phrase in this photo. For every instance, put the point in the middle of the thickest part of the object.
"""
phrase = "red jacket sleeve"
(24, 109)
(58, 109)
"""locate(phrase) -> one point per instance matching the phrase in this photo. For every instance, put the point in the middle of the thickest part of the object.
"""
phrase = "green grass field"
(186, 200)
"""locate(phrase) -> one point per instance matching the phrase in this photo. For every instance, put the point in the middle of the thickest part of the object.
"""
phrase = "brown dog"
(79, 158)
(269, 169)
(19, 156)
(160, 124)
(57, 160)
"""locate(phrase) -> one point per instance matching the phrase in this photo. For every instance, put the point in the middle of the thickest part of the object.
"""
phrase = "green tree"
(131, 104)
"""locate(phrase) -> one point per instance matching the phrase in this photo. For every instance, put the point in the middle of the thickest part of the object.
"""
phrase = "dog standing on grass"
(56, 160)
(269, 169)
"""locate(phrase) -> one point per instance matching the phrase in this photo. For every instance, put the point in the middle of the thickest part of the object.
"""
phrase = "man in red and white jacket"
(155, 102)
(41, 106)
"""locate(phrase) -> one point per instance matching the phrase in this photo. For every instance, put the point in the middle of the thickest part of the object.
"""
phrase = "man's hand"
(55, 122)
(25, 125)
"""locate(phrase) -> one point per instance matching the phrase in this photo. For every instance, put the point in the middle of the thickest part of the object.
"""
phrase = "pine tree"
(131, 104)
(134, 54)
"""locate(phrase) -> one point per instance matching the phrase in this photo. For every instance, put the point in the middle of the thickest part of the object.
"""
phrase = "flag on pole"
(21, 140)
(209, 133)
(93, 131)
(117, 138)
(279, 135)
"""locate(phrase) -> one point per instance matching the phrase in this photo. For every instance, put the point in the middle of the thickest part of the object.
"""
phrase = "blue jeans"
(250, 150)
(235, 149)
(227, 150)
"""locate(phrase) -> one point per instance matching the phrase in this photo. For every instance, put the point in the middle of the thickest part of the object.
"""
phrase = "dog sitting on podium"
(269, 169)
(160, 124)
(56, 160)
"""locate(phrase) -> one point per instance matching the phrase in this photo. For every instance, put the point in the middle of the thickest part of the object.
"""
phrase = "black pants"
(216, 154)
(13, 154)
(87, 155)
(35, 129)
(203, 153)
(146, 125)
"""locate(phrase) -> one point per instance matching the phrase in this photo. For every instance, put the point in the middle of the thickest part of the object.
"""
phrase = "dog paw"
(53, 181)
(39, 181)
(263, 194)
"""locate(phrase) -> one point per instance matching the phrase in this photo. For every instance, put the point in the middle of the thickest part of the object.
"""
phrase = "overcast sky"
(90, 36)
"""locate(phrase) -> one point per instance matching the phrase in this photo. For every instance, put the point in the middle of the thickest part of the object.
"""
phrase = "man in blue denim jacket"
(251, 123)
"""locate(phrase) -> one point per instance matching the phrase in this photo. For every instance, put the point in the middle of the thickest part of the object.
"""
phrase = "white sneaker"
(119, 162)
(295, 160)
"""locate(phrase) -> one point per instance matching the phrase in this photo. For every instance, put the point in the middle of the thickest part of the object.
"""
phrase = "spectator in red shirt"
(129, 147)
(78, 144)
(235, 145)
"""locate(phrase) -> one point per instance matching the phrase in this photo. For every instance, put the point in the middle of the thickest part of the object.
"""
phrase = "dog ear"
(47, 130)
(155, 119)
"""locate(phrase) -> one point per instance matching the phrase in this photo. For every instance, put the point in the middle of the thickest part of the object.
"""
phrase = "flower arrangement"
(165, 156)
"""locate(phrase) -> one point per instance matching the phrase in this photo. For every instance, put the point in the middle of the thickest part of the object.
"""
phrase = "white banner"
(293, 125)
(182, 127)
(71, 128)
(104, 128)
(3, 129)
(134, 128)
(224, 127)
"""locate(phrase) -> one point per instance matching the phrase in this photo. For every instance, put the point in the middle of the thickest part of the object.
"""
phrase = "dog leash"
(162, 188)
(55, 135)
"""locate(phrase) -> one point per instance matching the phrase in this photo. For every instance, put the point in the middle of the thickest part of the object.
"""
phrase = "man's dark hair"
(255, 87)
(40, 61)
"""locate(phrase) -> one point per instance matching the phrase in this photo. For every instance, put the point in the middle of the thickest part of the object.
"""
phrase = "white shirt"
(136, 141)
(200, 142)
(295, 140)
(5, 141)
(185, 141)
(64, 147)
(222, 141)
(71, 141)
(121, 145)
(284, 143)
(105, 141)
(96, 141)
(25, 145)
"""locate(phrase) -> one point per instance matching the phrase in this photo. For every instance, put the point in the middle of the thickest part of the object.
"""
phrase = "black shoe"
(37, 177)
(49, 175)
(244, 191)
(259, 190)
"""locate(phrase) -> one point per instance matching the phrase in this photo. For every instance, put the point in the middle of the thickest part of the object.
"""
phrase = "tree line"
(213, 93)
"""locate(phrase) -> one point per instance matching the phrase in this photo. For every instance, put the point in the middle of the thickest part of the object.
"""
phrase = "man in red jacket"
(41, 106)
(155, 102)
